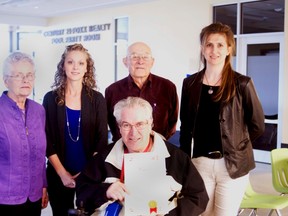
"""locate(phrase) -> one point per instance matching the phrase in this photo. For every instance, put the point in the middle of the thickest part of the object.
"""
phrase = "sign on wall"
(77, 34)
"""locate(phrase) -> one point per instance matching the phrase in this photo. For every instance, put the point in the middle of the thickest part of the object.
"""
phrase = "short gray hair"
(13, 58)
(132, 102)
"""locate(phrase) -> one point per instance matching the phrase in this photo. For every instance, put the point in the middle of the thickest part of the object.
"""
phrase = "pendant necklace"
(68, 126)
(210, 91)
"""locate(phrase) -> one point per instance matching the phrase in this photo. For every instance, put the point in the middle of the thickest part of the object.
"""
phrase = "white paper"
(146, 180)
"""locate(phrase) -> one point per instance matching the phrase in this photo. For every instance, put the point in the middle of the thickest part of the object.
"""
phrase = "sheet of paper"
(146, 181)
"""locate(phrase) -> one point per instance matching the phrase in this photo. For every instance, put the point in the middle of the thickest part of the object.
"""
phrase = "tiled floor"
(261, 180)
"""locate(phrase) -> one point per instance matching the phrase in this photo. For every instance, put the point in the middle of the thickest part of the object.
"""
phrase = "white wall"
(4, 46)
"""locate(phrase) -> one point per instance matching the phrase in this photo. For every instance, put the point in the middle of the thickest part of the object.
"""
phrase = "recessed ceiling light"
(278, 9)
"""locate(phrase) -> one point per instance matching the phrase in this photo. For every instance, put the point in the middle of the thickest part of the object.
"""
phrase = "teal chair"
(253, 201)
(279, 166)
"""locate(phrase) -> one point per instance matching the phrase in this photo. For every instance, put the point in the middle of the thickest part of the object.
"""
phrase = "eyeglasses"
(21, 76)
(139, 125)
(137, 57)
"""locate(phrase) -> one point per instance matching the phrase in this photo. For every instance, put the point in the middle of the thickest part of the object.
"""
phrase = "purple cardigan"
(22, 156)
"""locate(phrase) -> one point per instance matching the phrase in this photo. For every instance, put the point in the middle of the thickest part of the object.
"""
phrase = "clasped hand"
(68, 180)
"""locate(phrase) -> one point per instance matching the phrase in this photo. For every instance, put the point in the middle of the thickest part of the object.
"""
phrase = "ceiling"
(259, 14)
(54, 8)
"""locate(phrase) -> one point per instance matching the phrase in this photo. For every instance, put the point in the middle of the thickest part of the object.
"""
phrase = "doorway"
(261, 58)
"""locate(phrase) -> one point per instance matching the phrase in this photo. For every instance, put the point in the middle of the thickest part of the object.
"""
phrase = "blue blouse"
(75, 159)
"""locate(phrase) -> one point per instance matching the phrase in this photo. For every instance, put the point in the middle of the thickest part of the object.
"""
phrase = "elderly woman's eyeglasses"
(139, 125)
(137, 57)
(21, 76)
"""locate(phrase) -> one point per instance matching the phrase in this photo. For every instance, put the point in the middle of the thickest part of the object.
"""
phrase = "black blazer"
(241, 121)
(93, 124)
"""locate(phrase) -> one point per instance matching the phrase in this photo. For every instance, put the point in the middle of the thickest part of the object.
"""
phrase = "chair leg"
(253, 212)
(240, 211)
(278, 212)
(271, 212)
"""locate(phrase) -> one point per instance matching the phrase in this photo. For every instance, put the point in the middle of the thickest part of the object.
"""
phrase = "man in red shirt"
(161, 93)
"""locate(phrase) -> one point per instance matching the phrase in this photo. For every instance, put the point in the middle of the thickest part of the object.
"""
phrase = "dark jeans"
(61, 198)
(27, 208)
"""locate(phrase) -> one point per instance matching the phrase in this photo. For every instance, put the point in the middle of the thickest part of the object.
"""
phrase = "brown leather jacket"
(241, 122)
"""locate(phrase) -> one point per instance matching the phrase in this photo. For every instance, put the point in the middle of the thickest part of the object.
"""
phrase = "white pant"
(225, 194)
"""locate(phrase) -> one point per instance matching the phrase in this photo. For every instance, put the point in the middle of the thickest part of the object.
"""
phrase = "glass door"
(260, 57)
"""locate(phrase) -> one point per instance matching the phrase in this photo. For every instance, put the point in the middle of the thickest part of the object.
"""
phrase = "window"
(262, 16)
(255, 16)
(226, 14)
(121, 43)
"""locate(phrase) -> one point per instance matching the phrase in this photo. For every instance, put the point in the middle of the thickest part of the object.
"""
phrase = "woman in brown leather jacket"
(221, 116)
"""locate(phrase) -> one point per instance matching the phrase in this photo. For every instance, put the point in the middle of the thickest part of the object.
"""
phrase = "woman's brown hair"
(60, 78)
(227, 88)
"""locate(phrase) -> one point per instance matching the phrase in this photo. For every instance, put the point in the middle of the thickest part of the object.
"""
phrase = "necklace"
(210, 91)
(69, 132)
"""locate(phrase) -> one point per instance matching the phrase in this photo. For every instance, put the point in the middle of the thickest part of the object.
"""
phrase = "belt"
(214, 155)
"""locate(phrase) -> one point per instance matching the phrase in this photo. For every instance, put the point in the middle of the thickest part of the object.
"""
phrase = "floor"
(261, 181)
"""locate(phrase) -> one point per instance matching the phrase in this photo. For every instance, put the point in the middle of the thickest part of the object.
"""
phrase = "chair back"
(279, 165)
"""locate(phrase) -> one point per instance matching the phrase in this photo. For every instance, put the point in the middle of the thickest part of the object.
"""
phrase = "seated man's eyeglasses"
(21, 76)
(139, 125)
